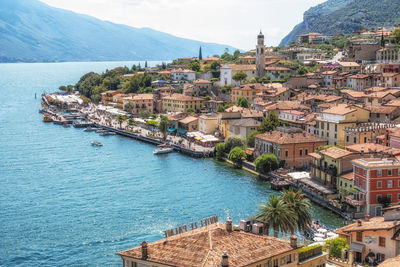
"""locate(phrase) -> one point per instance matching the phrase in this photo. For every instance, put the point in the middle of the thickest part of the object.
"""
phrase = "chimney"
(225, 260)
(359, 222)
(366, 217)
(228, 225)
(293, 241)
(145, 254)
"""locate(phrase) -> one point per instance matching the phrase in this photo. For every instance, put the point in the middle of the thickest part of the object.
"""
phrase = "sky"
(231, 22)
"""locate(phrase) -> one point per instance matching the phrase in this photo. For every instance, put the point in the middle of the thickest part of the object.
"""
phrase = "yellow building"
(248, 91)
(208, 124)
(180, 103)
(217, 244)
(329, 164)
(331, 125)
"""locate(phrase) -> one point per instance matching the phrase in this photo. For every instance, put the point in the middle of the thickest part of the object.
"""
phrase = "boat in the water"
(90, 129)
(47, 117)
(95, 143)
(107, 133)
(163, 149)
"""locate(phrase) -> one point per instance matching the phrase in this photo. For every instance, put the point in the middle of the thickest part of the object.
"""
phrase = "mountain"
(346, 16)
(31, 31)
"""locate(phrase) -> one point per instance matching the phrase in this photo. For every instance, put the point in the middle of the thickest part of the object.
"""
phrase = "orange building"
(140, 102)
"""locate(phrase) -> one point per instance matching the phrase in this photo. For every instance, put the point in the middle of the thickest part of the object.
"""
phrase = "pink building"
(141, 102)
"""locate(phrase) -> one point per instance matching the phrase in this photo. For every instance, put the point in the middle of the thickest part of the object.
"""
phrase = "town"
(321, 116)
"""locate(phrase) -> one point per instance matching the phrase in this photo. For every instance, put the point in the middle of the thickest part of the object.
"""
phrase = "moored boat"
(47, 117)
(90, 129)
(163, 149)
(95, 143)
(107, 133)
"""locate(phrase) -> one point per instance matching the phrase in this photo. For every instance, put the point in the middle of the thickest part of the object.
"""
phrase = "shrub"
(237, 155)
(337, 245)
(234, 141)
(266, 163)
(220, 151)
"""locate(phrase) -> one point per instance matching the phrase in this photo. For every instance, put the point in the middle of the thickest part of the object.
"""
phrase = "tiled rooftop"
(289, 138)
(205, 246)
(376, 223)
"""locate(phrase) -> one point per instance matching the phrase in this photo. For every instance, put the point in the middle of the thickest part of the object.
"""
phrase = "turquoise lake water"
(66, 203)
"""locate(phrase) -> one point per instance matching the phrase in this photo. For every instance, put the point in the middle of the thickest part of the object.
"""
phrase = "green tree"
(191, 110)
(62, 88)
(145, 64)
(163, 126)
(120, 119)
(130, 106)
(337, 245)
(144, 113)
(251, 138)
(264, 79)
(384, 201)
(253, 80)
(220, 108)
(239, 76)
(300, 205)
(266, 163)
(237, 155)
(234, 141)
(242, 102)
(270, 123)
(301, 70)
(200, 54)
(195, 66)
(277, 215)
(131, 122)
(220, 150)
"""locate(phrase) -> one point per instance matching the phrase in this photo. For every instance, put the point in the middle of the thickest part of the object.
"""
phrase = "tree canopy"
(235, 141)
(237, 155)
(239, 76)
(243, 102)
(266, 163)
(270, 123)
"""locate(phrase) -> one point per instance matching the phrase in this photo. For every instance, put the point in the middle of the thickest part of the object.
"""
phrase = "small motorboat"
(100, 130)
(95, 143)
(107, 133)
(47, 118)
(90, 129)
(163, 149)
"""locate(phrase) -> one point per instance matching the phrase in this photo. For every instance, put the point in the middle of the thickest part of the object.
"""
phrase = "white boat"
(163, 149)
(107, 133)
(90, 129)
(95, 143)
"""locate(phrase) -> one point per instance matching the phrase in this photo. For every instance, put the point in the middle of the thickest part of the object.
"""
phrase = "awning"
(181, 131)
(357, 247)
(171, 130)
(198, 138)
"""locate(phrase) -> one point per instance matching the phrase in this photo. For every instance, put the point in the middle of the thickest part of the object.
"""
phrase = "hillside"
(346, 16)
(31, 31)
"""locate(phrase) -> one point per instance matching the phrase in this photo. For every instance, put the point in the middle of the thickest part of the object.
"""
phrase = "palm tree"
(300, 205)
(277, 215)
(130, 106)
(163, 126)
(120, 118)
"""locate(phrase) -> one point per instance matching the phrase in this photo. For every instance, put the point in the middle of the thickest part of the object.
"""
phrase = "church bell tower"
(260, 55)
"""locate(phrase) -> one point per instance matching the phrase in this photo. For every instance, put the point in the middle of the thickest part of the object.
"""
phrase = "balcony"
(354, 202)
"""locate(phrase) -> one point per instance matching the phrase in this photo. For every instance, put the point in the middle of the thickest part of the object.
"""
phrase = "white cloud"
(233, 22)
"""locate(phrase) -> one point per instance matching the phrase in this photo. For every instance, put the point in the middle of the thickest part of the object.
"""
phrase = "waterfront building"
(330, 125)
(107, 96)
(180, 103)
(376, 238)
(235, 113)
(222, 245)
(375, 178)
(330, 163)
(290, 145)
(243, 127)
(208, 123)
(140, 102)
(189, 124)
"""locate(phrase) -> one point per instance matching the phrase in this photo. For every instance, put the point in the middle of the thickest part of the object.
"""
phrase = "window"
(268, 264)
(379, 173)
(327, 126)
(289, 258)
(359, 236)
(365, 139)
(364, 172)
(398, 196)
(378, 197)
(322, 125)
(306, 151)
(327, 134)
(379, 184)
(301, 152)
(347, 139)
(389, 172)
(389, 196)
(286, 153)
(364, 184)
(389, 183)
(399, 183)
(276, 263)
(341, 183)
(335, 127)
(355, 140)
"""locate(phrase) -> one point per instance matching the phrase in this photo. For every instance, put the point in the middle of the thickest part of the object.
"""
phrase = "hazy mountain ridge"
(31, 31)
(346, 16)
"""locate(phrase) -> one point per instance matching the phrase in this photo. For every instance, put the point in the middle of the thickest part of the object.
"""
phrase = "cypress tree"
(200, 54)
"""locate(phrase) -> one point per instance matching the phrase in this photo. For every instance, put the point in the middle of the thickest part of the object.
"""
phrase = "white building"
(226, 75)
(183, 75)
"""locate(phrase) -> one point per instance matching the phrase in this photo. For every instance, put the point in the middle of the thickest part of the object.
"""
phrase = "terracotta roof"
(359, 76)
(335, 152)
(376, 223)
(381, 109)
(348, 176)
(378, 162)
(245, 123)
(285, 105)
(143, 96)
(392, 262)
(315, 155)
(329, 72)
(212, 59)
(369, 147)
(205, 246)
(395, 207)
(236, 67)
(376, 89)
(354, 94)
(340, 109)
(272, 68)
(289, 138)
(201, 81)
(251, 113)
(188, 119)
(349, 64)
(394, 103)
